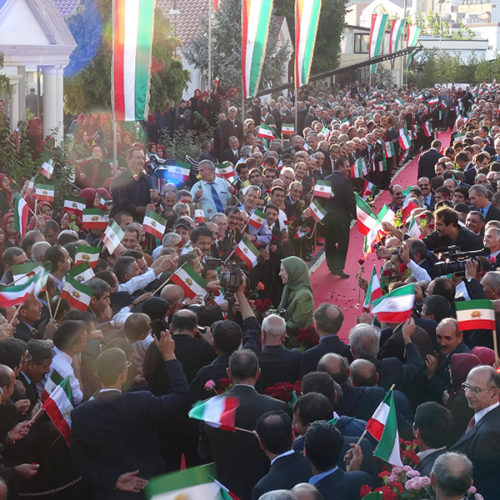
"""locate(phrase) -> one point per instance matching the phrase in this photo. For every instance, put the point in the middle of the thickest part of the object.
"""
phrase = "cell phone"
(158, 326)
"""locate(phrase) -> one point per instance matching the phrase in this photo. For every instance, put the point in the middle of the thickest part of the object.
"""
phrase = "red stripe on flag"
(4, 302)
(244, 41)
(73, 302)
(377, 293)
(375, 428)
(228, 416)
(242, 255)
(178, 281)
(393, 317)
(476, 324)
(55, 415)
(118, 55)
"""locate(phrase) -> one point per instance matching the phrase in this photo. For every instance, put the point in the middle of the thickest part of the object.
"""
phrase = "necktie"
(470, 425)
(215, 196)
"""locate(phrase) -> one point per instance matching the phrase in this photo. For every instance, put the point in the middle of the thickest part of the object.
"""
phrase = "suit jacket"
(492, 214)
(332, 343)
(278, 364)
(117, 433)
(426, 163)
(343, 203)
(229, 129)
(482, 445)
(342, 485)
(284, 474)
(425, 465)
(233, 452)
(228, 155)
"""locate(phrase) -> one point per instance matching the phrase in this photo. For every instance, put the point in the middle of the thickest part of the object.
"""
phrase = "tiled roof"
(66, 7)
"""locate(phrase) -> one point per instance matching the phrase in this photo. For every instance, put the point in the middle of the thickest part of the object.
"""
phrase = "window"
(361, 43)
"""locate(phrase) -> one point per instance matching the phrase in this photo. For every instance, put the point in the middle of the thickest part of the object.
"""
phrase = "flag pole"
(15, 314)
(495, 343)
(209, 44)
(48, 303)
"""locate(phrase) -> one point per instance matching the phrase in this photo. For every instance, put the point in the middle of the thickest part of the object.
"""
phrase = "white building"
(36, 44)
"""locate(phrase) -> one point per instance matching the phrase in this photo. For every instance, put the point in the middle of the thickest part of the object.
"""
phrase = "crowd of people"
(240, 223)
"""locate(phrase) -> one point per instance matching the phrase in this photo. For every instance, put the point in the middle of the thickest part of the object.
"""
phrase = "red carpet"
(345, 292)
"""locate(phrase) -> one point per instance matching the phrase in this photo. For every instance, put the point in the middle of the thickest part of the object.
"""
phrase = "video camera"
(455, 261)
(231, 275)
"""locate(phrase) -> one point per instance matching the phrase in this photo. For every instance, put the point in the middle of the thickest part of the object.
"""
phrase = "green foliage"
(432, 24)
(182, 144)
(90, 88)
(226, 48)
(4, 80)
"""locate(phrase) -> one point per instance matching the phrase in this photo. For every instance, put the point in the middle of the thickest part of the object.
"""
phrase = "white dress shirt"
(62, 364)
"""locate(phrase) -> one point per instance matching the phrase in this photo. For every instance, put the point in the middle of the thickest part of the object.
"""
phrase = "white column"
(50, 121)
(60, 103)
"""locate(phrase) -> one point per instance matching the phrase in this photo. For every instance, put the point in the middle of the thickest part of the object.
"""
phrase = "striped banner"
(411, 40)
(306, 25)
(132, 41)
(377, 31)
(255, 18)
(396, 32)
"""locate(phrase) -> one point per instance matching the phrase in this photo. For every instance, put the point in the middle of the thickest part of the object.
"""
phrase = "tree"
(87, 83)
(226, 48)
(433, 24)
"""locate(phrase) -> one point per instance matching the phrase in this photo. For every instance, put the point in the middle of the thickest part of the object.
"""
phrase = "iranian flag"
(475, 315)
(255, 18)
(58, 407)
(132, 39)
(404, 139)
(358, 169)
(226, 170)
(396, 306)
(374, 290)
(179, 172)
(411, 40)
(53, 380)
(377, 31)
(112, 236)
(94, 218)
(414, 229)
(383, 426)
(306, 25)
(368, 189)
(390, 150)
(190, 281)
(400, 102)
(16, 294)
(257, 219)
(317, 211)
(199, 216)
(367, 220)
(154, 224)
(76, 294)
(47, 168)
(247, 252)
(44, 192)
(104, 202)
(265, 131)
(188, 484)
(22, 273)
(287, 129)
(397, 27)
(326, 133)
(433, 101)
(87, 254)
(75, 205)
(81, 273)
(322, 189)
(219, 412)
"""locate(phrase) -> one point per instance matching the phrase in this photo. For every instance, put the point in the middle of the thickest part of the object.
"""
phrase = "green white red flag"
(132, 41)
(179, 172)
(383, 426)
(255, 18)
(16, 294)
(247, 252)
(47, 168)
(81, 272)
(475, 315)
(226, 170)
(400, 101)
(257, 219)
(265, 131)
(367, 220)
(306, 26)
(104, 202)
(75, 205)
(219, 412)
(22, 273)
(317, 211)
(154, 224)
(368, 189)
(374, 290)
(428, 130)
(87, 254)
(112, 236)
(199, 216)
(58, 407)
(412, 35)
(44, 192)
(190, 281)
(390, 150)
(404, 139)
(53, 380)
(397, 27)
(94, 218)
(414, 228)
(377, 31)
(76, 294)
(358, 168)
(396, 306)
(287, 129)
(322, 189)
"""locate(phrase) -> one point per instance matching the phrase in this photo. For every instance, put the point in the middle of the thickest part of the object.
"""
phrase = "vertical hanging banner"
(377, 31)
(306, 25)
(396, 32)
(255, 18)
(411, 40)
(130, 74)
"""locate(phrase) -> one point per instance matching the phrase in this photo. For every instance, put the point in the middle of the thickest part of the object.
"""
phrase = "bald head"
(335, 365)
(306, 491)
(273, 329)
(173, 294)
(7, 379)
(451, 475)
(363, 373)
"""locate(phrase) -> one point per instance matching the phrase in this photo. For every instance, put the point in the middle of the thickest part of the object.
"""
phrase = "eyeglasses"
(476, 390)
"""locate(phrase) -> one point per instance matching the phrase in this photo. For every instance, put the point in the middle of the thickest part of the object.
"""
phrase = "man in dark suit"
(114, 437)
(230, 450)
(232, 153)
(288, 467)
(231, 127)
(431, 426)
(323, 445)
(29, 315)
(481, 441)
(341, 209)
(277, 363)
(328, 319)
(428, 159)
(451, 476)
(480, 198)
(428, 198)
(206, 153)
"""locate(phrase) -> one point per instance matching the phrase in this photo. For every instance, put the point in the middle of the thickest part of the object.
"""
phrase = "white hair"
(274, 325)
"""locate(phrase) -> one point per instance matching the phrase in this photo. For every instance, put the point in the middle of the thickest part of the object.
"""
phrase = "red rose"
(260, 285)
(387, 272)
(403, 268)
(224, 382)
(387, 493)
(384, 473)
(361, 262)
(396, 485)
(268, 303)
(365, 489)
(258, 303)
(493, 259)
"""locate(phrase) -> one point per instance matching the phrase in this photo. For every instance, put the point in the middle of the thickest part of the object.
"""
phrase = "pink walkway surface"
(345, 292)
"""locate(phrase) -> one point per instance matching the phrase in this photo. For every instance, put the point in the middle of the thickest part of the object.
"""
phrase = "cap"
(183, 221)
